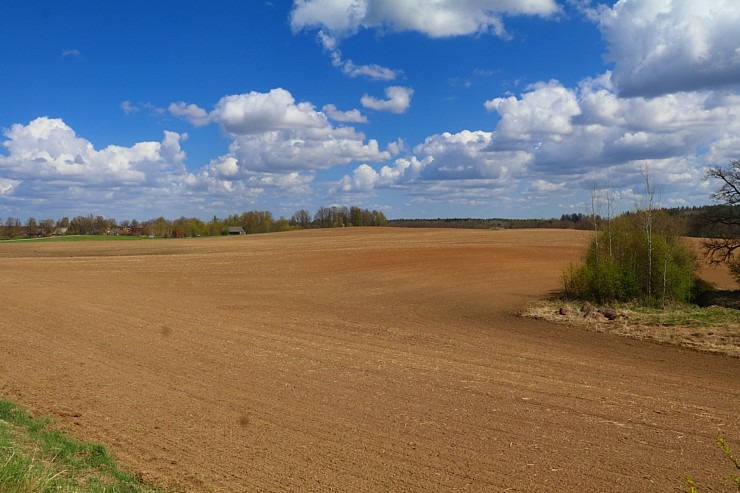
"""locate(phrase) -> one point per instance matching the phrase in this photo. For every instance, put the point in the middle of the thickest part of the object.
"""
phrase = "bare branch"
(729, 192)
(725, 219)
(720, 250)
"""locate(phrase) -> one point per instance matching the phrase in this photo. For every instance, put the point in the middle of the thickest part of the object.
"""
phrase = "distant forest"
(690, 220)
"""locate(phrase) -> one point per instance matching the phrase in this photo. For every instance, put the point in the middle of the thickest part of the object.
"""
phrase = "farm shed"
(236, 230)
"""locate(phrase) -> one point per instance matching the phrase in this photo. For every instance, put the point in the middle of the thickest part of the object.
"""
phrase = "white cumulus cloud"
(257, 112)
(467, 155)
(48, 149)
(365, 179)
(47, 165)
(288, 151)
(191, 113)
(557, 140)
(462, 160)
(7, 186)
(372, 71)
(434, 18)
(666, 46)
(336, 19)
(597, 129)
(129, 108)
(398, 100)
(546, 110)
(273, 133)
(351, 116)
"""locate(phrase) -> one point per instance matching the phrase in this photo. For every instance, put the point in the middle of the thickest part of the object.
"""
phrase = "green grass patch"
(714, 329)
(34, 458)
(689, 316)
(57, 239)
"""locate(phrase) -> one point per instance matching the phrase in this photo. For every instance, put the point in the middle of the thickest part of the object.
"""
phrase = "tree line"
(691, 221)
(251, 221)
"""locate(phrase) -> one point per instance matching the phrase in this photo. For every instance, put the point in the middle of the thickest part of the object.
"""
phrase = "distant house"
(60, 232)
(133, 230)
(236, 230)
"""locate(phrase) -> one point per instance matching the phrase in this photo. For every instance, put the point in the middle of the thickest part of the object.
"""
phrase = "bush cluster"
(635, 259)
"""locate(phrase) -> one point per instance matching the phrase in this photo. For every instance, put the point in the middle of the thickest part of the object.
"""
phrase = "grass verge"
(73, 238)
(35, 459)
(713, 329)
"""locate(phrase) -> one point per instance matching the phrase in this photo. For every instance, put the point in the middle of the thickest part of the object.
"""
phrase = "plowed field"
(354, 360)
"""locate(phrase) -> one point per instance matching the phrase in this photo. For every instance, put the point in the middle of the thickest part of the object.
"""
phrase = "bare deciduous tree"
(646, 213)
(725, 219)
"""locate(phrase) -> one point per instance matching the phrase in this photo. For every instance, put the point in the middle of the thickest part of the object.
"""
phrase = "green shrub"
(627, 262)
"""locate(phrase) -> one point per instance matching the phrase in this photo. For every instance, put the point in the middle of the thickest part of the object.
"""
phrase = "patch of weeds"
(713, 329)
(75, 238)
(689, 316)
(34, 458)
(691, 486)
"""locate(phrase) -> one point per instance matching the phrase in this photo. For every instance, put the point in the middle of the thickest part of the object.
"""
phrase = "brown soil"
(353, 360)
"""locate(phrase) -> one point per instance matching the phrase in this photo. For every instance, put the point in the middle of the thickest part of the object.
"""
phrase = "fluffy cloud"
(7, 186)
(277, 144)
(569, 131)
(47, 165)
(272, 133)
(334, 15)
(335, 19)
(256, 112)
(462, 161)
(435, 18)
(196, 116)
(666, 46)
(287, 151)
(372, 71)
(351, 116)
(398, 100)
(129, 108)
(225, 176)
(466, 156)
(350, 68)
(556, 140)
(364, 178)
(49, 149)
(545, 111)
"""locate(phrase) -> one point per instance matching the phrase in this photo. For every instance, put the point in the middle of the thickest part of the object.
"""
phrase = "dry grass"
(713, 329)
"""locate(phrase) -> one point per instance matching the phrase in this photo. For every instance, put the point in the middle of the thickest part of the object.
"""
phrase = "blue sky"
(418, 108)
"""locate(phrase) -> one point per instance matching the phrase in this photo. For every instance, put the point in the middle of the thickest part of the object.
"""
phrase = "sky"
(417, 108)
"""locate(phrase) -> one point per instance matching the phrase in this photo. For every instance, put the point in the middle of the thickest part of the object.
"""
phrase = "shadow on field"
(719, 297)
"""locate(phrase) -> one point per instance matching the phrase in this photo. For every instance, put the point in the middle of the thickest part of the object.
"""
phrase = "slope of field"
(352, 360)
